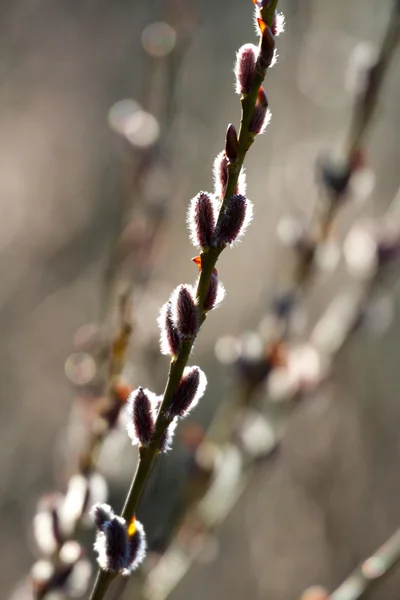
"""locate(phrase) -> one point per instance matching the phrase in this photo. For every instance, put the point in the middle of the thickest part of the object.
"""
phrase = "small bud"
(283, 304)
(120, 549)
(170, 341)
(139, 408)
(198, 262)
(201, 220)
(220, 172)
(335, 176)
(191, 388)
(267, 51)
(237, 214)
(261, 115)
(168, 436)
(244, 67)
(215, 294)
(184, 311)
(231, 144)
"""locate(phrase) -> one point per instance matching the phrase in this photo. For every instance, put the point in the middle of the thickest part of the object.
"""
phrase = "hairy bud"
(215, 294)
(261, 115)
(267, 50)
(112, 545)
(244, 67)
(231, 144)
(140, 424)
(201, 220)
(170, 342)
(237, 214)
(220, 171)
(184, 311)
(191, 388)
(120, 549)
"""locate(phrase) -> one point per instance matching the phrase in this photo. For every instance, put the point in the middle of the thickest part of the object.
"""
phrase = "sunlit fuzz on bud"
(120, 548)
(278, 24)
(185, 311)
(191, 388)
(201, 220)
(140, 411)
(137, 545)
(231, 144)
(170, 342)
(168, 436)
(220, 172)
(261, 115)
(244, 67)
(237, 214)
(215, 294)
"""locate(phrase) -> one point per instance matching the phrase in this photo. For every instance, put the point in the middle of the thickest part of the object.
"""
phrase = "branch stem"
(371, 572)
(209, 257)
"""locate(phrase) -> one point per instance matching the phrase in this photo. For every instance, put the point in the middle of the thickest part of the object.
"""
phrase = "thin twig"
(363, 111)
(371, 572)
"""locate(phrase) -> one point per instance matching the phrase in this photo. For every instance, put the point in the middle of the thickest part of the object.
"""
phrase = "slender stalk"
(365, 107)
(209, 259)
(371, 572)
(362, 116)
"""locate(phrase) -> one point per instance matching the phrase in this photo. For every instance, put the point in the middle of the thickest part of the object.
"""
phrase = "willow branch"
(371, 572)
(208, 260)
(365, 107)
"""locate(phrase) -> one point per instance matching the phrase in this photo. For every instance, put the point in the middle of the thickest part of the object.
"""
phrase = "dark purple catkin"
(170, 342)
(237, 214)
(220, 172)
(231, 144)
(112, 546)
(267, 49)
(140, 424)
(120, 549)
(184, 311)
(244, 68)
(261, 114)
(201, 220)
(191, 388)
(215, 294)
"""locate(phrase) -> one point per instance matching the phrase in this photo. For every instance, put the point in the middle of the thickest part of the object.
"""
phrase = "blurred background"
(111, 114)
